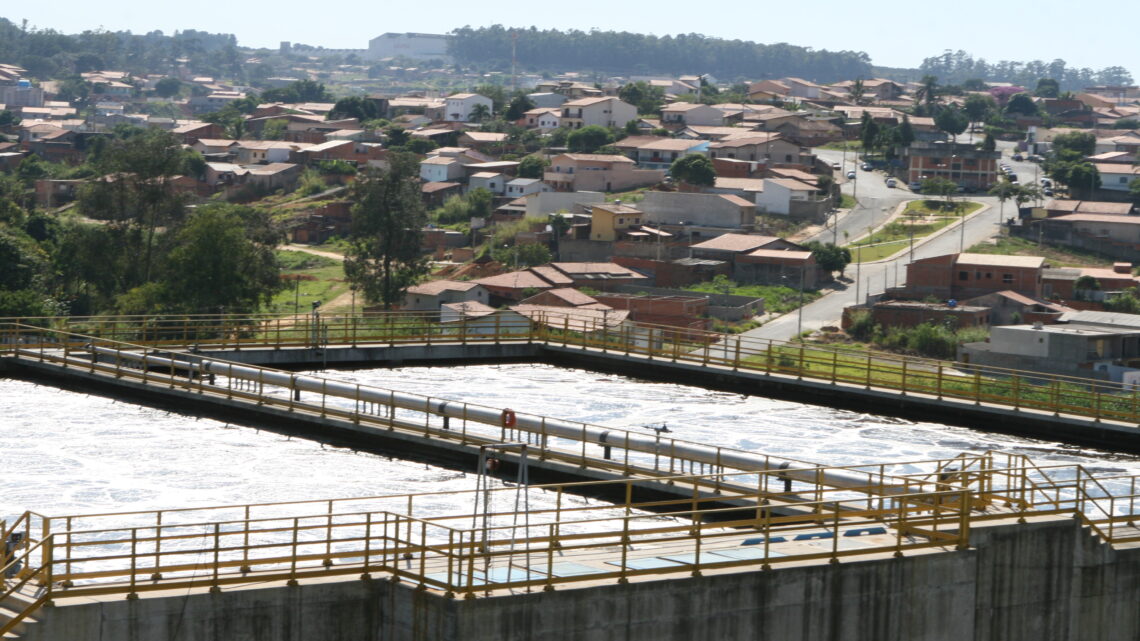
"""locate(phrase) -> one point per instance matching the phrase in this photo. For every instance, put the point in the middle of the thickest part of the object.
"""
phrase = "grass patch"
(878, 252)
(777, 298)
(1058, 257)
(851, 145)
(292, 261)
(931, 207)
(846, 201)
(320, 279)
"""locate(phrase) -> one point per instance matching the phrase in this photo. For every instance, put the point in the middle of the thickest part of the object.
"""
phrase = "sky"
(893, 34)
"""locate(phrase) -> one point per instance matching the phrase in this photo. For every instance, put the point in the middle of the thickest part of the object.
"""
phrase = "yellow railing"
(1014, 389)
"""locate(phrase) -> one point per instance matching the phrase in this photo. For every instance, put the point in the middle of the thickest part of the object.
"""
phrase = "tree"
(977, 107)
(940, 187)
(479, 113)
(1047, 88)
(858, 91)
(1074, 146)
(989, 143)
(532, 166)
(589, 139)
(952, 120)
(383, 257)
(1021, 103)
(1083, 180)
(8, 118)
(223, 259)
(1003, 191)
(518, 107)
(868, 132)
(1134, 191)
(274, 129)
(694, 169)
(136, 191)
(397, 136)
(829, 257)
(905, 132)
(357, 107)
(927, 93)
(299, 91)
(523, 255)
(647, 98)
(167, 87)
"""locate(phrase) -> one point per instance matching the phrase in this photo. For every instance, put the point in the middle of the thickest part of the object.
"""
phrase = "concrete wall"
(1047, 580)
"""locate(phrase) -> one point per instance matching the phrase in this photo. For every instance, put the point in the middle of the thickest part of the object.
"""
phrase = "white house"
(1117, 176)
(491, 181)
(520, 187)
(438, 169)
(778, 194)
(605, 111)
(458, 107)
(429, 296)
(688, 114)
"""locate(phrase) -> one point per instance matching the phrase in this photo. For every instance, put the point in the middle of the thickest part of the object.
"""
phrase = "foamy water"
(67, 453)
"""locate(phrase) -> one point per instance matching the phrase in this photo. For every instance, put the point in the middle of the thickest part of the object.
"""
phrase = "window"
(963, 275)
(989, 275)
(1007, 278)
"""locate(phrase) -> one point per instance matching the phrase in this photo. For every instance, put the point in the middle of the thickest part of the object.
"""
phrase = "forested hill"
(623, 52)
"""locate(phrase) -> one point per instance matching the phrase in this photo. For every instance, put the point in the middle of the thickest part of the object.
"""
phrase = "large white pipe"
(729, 458)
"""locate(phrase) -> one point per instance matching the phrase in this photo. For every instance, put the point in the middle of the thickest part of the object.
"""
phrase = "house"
(606, 111)
(598, 172)
(793, 198)
(191, 132)
(563, 297)
(1088, 344)
(574, 319)
(520, 187)
(515, 286)
(1062, 207)
(768, 91)
(763, 259)
(547, 100)
(212, 102)
(251, 152)
(543, 119)
(431, 295)
(434, 194)
(440, 169)
(491, 181)
(274, 176)
(801, 88)
(1111, 234)
(1061, 282)
(1116, 176)
(478, 139)
(459, 107)
(215, 147)
(963, 276)
(691, 213)
(685, 114)
(759, 146)
(659, 153)
(909, 313)
(609, 220)
(962, 164)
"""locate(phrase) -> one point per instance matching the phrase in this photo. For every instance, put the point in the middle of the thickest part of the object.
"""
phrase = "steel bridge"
(685, 509)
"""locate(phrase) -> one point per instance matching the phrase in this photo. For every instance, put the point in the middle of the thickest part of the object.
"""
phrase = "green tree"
(523, 255)
(357, 107)
(533, 166)
(1003, 191)
(589, 139)
(868, 132)
(136, 191)
(1047, 88)
(397, 136)
(977, 107)
(299, 91)
(8, 118)
(927, 93)
(1134, 191)
(384, 258)
(479, 113)
(647, 98)
(167, 87)
(222, 259)
(1083, 180)
(1075, 145)
(829, 257)
(952, 120)
(1021, 103)
(989, 143)
(858, 91)
(274, 129)
(940, 187)
(905, 132)
(518, 106)
(694, 169)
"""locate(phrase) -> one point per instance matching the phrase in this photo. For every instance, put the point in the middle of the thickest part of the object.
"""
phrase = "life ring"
(508, 418)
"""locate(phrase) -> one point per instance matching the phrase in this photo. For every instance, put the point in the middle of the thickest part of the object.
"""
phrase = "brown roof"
(552, 275)
(1099, 218)
(514, 280)
(594, 270)
(785, 254)
(471, 308)
(569, 295)
(737, 200)
(433, 187)
(599, 157)
(736, 242)
(573, 318)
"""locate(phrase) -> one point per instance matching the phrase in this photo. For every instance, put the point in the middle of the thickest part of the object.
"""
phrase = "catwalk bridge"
(675, 509)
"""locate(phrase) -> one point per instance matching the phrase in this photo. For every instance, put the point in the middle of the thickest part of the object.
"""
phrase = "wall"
(1046, 580)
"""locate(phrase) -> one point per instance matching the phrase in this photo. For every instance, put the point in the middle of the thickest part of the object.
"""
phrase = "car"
(915, 186)
(891, 182)
(836, 166)
(851, 174)
(866, 166)
(1018, 157)
(1012, 177)
(1034, 158)
(1045, 182)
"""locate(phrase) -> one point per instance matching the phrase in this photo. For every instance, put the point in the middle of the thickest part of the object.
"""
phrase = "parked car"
(1045, 182)
(851, 174)
(836, 166)
(915, 186)
(1012, 177)
(1047, 192)
(891, 182)
(866, 166)
(1018, 157)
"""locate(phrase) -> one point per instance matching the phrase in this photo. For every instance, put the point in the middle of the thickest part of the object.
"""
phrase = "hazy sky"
(897, 34)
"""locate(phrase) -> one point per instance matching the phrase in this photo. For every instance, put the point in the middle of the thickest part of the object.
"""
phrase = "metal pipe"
(597, 435)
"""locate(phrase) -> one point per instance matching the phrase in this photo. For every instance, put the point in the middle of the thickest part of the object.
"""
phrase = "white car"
(891, 182)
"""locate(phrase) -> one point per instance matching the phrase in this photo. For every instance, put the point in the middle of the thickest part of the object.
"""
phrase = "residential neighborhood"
(567, 191)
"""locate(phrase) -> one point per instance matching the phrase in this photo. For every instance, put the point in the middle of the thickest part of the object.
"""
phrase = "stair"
(10, 608)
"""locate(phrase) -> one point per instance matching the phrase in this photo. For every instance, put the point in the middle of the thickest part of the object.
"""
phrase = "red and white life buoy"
(508, 418)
